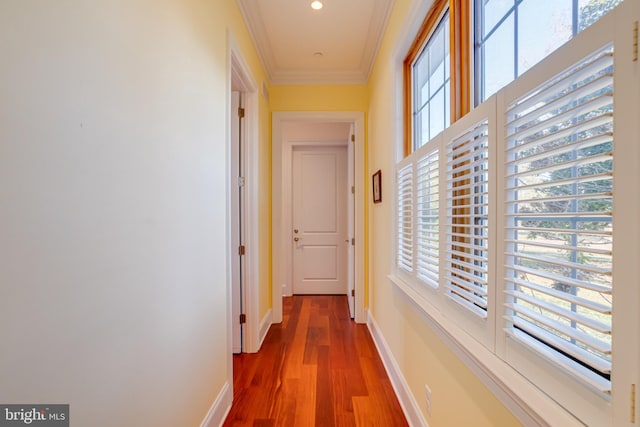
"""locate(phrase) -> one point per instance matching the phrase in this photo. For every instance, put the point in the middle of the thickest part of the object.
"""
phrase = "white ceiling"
(288, 33)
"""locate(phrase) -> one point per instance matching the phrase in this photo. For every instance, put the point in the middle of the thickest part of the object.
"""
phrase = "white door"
(237, 225)
(351, 219)
(320, 230)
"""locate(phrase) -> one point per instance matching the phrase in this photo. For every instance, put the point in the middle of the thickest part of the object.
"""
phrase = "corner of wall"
(220, 408)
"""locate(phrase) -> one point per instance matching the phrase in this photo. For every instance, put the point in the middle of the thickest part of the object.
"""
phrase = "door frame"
(239, 77)
(281, 216)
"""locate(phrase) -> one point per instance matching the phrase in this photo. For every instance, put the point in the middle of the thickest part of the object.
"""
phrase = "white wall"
(112, 181)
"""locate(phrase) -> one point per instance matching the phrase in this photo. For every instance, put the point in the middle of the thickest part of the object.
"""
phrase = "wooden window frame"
(459, 48)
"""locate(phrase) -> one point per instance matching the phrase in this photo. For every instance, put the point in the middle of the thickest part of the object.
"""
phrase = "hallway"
(316, 368)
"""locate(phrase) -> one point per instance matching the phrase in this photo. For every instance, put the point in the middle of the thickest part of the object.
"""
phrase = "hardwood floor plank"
(306, 401)
(324, 413)
(316, 368)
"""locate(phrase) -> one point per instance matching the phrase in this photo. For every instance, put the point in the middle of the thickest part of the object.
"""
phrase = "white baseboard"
(220, 408)
(407, 401)
(265, 324)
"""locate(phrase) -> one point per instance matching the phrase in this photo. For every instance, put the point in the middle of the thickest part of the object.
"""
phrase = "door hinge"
(353, 292)
(353, 138)
(241, 181)
(353, 189)
(241, 112)
(243, 319)
(635, 41)
(353, 241)
(241, 250)
(632, 412)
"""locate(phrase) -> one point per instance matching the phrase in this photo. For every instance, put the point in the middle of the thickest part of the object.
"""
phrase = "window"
(512, 221)
(513, 35)
(431, 76)
(435, 82)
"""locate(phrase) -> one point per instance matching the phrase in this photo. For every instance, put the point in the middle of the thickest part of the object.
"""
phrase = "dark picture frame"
(377, 186)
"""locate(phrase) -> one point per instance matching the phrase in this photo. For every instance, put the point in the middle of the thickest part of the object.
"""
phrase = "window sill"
(528, 403)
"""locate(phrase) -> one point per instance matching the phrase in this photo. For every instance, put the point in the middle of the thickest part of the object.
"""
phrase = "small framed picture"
(377, 187)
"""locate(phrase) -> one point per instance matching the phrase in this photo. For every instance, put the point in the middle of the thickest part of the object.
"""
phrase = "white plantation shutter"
(405, 218)
(559, 219)
(428, 224)
(467, 219)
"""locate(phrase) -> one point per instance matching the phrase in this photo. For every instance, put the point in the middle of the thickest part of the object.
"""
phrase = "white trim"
(279, 208)
(406, 398)
(265, 324)
(220, 408)
(238, 67)
(527, 403)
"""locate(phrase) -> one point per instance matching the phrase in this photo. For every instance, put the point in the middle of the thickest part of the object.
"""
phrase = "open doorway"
(318, 137)
(242, 199)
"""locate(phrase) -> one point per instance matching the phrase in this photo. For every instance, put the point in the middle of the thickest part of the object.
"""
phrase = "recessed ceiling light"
(316, 5)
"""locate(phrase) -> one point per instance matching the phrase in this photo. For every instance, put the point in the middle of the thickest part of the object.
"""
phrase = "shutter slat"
(586, 196)
(597, 158)
(563, 247)
(595, 122)
(562, 312)
(561, 263)
(567, 181)
(594, 66)
(560, 231)
(602, 82)
(561, 279)
(547, 123)
(570, 298)
(473, 293)
(479, 308)
(578, 144)
(568, 331)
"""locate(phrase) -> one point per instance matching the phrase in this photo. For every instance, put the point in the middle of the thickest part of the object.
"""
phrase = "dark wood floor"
(316, 368)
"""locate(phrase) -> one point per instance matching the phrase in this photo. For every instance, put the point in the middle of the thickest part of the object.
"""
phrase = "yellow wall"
(319, 98)
(458, 397)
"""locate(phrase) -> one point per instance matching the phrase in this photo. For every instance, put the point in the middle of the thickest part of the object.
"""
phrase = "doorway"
(242, 201)
(351, 135)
